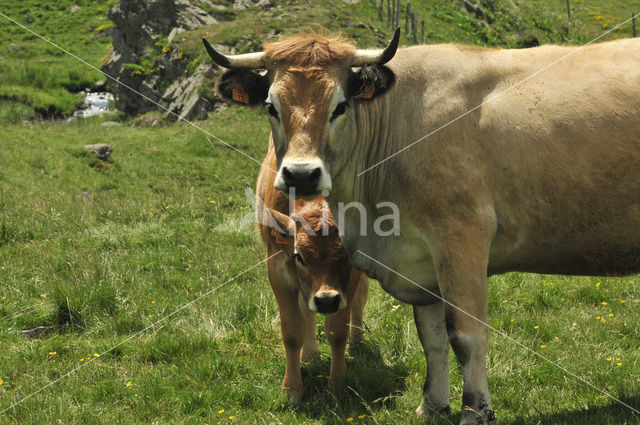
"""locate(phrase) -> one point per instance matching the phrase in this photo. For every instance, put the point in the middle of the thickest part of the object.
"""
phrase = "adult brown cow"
(309, 273)
(545, 178)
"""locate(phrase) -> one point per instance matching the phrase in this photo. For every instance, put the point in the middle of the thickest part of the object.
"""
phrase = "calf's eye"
(298, 258)
(340, 109)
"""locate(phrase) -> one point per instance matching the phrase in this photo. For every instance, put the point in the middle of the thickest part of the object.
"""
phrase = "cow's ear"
(282, 227)
(243, 86)
(370, 81)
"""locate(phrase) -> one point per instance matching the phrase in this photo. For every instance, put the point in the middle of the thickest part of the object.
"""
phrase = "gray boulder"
(101, 151)
(138, 24)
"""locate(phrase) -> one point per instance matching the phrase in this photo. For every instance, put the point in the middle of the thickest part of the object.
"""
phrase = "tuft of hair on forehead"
(317, 215)
(314, 48)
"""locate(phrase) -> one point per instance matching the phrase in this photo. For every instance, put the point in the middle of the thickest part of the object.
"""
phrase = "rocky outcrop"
(138, 27)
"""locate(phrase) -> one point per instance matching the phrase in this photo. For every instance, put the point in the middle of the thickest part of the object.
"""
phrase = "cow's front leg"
(336, 329)
(461, 258)
(292, 326)
(433, 336)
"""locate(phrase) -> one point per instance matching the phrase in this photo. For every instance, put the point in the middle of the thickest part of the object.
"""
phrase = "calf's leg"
(292, 326)
(359, 300)
(336, 329)
(310, 350)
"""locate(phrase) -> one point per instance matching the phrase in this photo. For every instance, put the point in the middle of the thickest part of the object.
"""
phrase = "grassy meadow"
(95, 255)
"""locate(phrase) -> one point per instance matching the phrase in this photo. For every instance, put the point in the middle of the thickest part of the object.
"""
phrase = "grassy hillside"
(92, 253)
(40, 81)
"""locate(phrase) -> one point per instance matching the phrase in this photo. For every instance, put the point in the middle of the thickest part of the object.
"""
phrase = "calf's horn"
(245, 61)
(366, 57)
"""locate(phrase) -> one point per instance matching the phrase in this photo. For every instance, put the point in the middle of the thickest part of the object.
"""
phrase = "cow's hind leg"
(336, 329)
(433, 336)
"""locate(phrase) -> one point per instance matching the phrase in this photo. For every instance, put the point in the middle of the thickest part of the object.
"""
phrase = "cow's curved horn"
(245, 61)
(365, 57)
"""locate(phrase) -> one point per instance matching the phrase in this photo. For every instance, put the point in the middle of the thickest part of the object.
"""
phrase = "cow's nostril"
(288, 176)
(327, 304)
(314, 176)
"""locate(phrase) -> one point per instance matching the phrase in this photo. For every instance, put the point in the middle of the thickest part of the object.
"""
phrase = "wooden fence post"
(568, 10)
(393, 13)
(406, 20)
(422, 32)
(414, 27)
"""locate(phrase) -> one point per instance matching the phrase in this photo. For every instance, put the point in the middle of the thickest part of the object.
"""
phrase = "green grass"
(40, 76)
(92, 253)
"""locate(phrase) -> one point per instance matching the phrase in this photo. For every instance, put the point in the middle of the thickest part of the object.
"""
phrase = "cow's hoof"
(310, 355)
(472, 417)
(294, 397)
(427, 409)
(336, 384)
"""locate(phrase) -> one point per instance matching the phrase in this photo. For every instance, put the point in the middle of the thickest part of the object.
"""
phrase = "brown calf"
(311, 274)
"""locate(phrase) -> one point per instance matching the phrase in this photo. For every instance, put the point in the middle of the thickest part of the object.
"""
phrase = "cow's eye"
(340, 109)
(298, 258)
(271, 109)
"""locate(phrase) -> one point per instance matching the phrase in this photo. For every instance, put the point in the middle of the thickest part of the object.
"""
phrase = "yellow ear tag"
(369, 94)
(239, 95)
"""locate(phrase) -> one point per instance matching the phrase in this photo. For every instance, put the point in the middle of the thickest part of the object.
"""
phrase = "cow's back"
(555, 159)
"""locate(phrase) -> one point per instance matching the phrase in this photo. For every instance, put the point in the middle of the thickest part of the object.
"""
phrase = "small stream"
(94, 104)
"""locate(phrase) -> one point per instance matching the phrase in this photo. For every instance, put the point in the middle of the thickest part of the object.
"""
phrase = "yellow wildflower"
(598, 317)
(609, 359)
(1, 382)
(4, 298)
(513, 320)
(221, 411)
(543, 346)
(307, 363)
(619, 363)
(617, 359)
(602, 320)
(349, 419)
(610, 314)
(598, 285)
(52, 353)
(604, 303)
(362, 416)
(129, 384)
(320, 376)
(82, 359)
(536, 327)
(231, 417)
(623, 301)
(96, 355)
